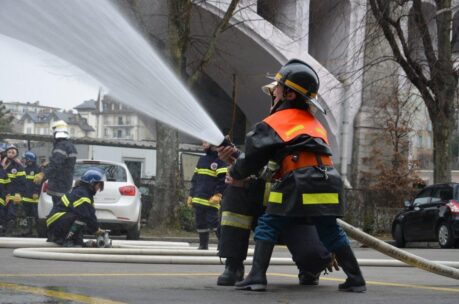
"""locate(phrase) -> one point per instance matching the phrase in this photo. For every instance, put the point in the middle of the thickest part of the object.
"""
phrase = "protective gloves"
(38, 178)
(189, 202)
(215, 199)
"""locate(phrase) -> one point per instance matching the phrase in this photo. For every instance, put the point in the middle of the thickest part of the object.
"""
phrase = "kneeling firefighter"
(243, 202)
(76, 211)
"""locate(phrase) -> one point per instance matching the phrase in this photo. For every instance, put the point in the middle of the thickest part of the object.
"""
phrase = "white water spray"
(94, 36)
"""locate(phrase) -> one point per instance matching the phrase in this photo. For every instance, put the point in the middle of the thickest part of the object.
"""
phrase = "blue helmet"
(3, 147)
(93, 175)
(30, 156)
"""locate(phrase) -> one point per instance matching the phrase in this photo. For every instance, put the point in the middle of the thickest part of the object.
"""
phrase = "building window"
(105, 131)
(120, 134)
(29, 130)
(120, 120)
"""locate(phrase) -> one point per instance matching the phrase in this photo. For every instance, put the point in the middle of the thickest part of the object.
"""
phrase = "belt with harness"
(293, 161)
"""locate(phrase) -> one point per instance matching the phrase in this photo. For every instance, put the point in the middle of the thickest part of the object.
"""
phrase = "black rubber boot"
(74, 238)
(355, 281)
(234, 272)
(308, 278)
(256, 279)
(203, 240)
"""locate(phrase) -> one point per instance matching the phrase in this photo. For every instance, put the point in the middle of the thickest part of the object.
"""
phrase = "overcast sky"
(29, 74)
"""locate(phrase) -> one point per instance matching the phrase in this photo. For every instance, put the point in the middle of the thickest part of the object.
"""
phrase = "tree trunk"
(167, 193)
(441, 151)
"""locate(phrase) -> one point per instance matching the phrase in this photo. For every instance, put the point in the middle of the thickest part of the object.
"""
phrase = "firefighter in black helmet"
(241, 206)
(306, 185)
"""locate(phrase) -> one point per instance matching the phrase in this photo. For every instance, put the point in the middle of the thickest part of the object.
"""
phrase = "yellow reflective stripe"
(205, 202)
(275, 197)
(2, 202)
(30, 176)
(206, 172)
(236, 220)
(11, 175)
(29, 200)
(81, 201)
(222, 170)
(294, 129)
(4, 181)
(65, 200)
(54, 218)
(294, 86)
(320, 198)
(21, 173)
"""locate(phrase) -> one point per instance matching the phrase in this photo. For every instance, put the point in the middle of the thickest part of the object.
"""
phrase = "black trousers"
(242, 204)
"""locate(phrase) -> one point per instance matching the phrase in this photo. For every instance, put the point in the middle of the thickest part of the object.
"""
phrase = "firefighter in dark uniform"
(59, 171)
(242, 204)
(75, 211)
(306, 184)
(16, 174)
(207, 186)
(4, 181)
(32, 191)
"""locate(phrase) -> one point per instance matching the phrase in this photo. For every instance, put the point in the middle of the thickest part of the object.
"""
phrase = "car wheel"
(398, 236)
(445, 236)
(133, 233)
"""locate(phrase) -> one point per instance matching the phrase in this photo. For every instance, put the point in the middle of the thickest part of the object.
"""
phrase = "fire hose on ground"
(154, 252)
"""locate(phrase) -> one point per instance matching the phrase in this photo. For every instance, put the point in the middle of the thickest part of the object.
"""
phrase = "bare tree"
(429, 66)
(169, 183)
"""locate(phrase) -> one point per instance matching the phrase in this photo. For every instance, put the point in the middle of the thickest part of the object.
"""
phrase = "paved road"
(41, 281)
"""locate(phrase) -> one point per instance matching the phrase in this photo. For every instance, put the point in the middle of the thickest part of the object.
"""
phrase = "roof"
(87, 105)
(69, 117)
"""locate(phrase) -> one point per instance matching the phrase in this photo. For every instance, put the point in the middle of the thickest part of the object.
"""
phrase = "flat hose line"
(181, 253)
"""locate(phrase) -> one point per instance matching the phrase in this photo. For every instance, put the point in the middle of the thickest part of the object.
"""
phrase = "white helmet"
(60, 129)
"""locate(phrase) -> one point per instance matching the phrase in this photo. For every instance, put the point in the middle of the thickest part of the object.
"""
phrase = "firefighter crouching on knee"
(207, 186)
(75, 211)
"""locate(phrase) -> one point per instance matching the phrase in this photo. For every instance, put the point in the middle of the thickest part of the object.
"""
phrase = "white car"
(118, 207)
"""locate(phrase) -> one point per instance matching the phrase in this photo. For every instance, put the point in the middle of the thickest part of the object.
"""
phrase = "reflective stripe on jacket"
(79, 202)
(61, 167)
(208, 179)
(16, 175)
(304, 191)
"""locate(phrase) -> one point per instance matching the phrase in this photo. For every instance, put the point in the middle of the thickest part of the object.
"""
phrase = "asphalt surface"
(45, 281)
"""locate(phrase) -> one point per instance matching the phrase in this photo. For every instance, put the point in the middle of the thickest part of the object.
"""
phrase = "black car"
(432, 216)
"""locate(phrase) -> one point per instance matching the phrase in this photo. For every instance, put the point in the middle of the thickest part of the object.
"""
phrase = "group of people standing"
(18, 190)
(284, 188)
(21, 183)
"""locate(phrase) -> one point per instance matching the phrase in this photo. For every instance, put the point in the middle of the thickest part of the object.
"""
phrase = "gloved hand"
(189, 201)
(38, 178)
(35, 196)
(100, 232)
(215, 199)
(333, 264)
(17, 199)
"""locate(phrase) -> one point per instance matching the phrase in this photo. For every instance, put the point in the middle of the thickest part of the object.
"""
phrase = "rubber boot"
(308, 278)
(203, 240)
(74, 237)
(256, 279)
(234, 272)
(355, 281)
(30, 225)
